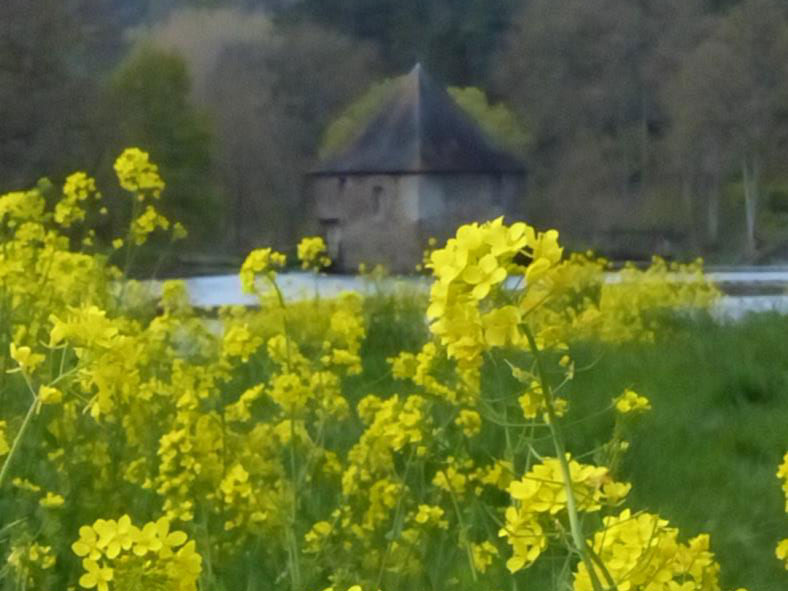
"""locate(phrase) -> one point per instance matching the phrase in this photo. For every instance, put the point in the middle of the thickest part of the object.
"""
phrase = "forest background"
(660, 122)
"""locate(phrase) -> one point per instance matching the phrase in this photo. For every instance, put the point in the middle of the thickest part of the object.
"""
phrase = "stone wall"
(448, 201)
(388, 218)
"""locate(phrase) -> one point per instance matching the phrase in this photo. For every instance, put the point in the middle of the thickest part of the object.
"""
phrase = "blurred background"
(645, 125)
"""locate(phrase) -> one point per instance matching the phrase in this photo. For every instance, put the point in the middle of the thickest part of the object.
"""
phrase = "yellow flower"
(96, 576)
(49, 395)
(430, 514)
(25, 358)
(316, 536)
(450, 480)
(782, 552)
(501, 326)
(312, 253)
(4, 449)
(782, 474)
(115, 535)
(24, 484)
(52, 501)
(137, 174)
(526, 536)
(147, 540)
(42, 555)
(632, 402)
(168, 539)
(146, 223)
(483, 555)
(470, 421)
(187, 566)
(642, 548)
(483, 276)
(260, 261)
(179, 232)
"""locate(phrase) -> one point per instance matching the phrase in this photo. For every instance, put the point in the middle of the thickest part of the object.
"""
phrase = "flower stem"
(18, 441)
(560, 449)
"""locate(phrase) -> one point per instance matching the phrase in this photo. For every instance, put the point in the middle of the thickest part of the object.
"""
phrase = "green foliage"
(716, 430)
(342, 130)
(715, 433)
(497, 120)
(43, 100)
(455, 38)
(149, 95)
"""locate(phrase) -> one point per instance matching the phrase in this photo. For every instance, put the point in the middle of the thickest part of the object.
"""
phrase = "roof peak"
(420, 129)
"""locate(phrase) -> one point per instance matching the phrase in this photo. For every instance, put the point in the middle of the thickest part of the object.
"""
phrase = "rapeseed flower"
(630, 402)
(312, 253)
(137, 174)
(262, 261)
(96, 576)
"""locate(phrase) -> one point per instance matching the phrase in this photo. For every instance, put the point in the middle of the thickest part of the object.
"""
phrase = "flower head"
(312, 253)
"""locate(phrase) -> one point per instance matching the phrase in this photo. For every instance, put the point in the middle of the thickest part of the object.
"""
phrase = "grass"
(707, 454)
(705, 458)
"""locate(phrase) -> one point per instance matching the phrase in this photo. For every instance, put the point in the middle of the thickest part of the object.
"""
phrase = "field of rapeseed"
(341, 443)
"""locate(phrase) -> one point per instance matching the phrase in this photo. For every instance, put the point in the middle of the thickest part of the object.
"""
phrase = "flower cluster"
(262, 261)
(147, 223)
(131, 558)
(280, 447)
(641, 552)
(137, 174)
(472, 265)
(542, 492)
(31, 563)
(630, 402)
(78, 188)
(312, 253)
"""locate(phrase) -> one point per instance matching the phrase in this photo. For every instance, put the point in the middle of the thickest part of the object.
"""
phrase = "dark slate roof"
(420, 129)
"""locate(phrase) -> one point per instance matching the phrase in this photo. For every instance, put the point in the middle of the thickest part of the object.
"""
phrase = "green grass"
(707, 454)
(705, 458)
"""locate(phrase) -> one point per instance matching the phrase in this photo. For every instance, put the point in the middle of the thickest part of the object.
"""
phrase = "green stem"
(560, 450)
(295, 563)
(285, 323)
(397, 525)
(18, 441)
(464, 533)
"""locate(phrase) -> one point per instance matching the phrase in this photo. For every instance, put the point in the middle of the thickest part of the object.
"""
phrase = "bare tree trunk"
(750, 181)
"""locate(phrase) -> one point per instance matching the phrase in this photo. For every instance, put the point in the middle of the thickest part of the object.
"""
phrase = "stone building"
(420, 168)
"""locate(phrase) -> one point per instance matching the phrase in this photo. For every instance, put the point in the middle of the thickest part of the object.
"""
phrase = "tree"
(272, 99)
(453, 38)
(200, 36)
(730, 103)
(149, 97)
(587, 77)
(270, 90)
(43, 98)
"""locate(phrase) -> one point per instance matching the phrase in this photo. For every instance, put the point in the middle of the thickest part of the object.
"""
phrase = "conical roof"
(420, 129)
